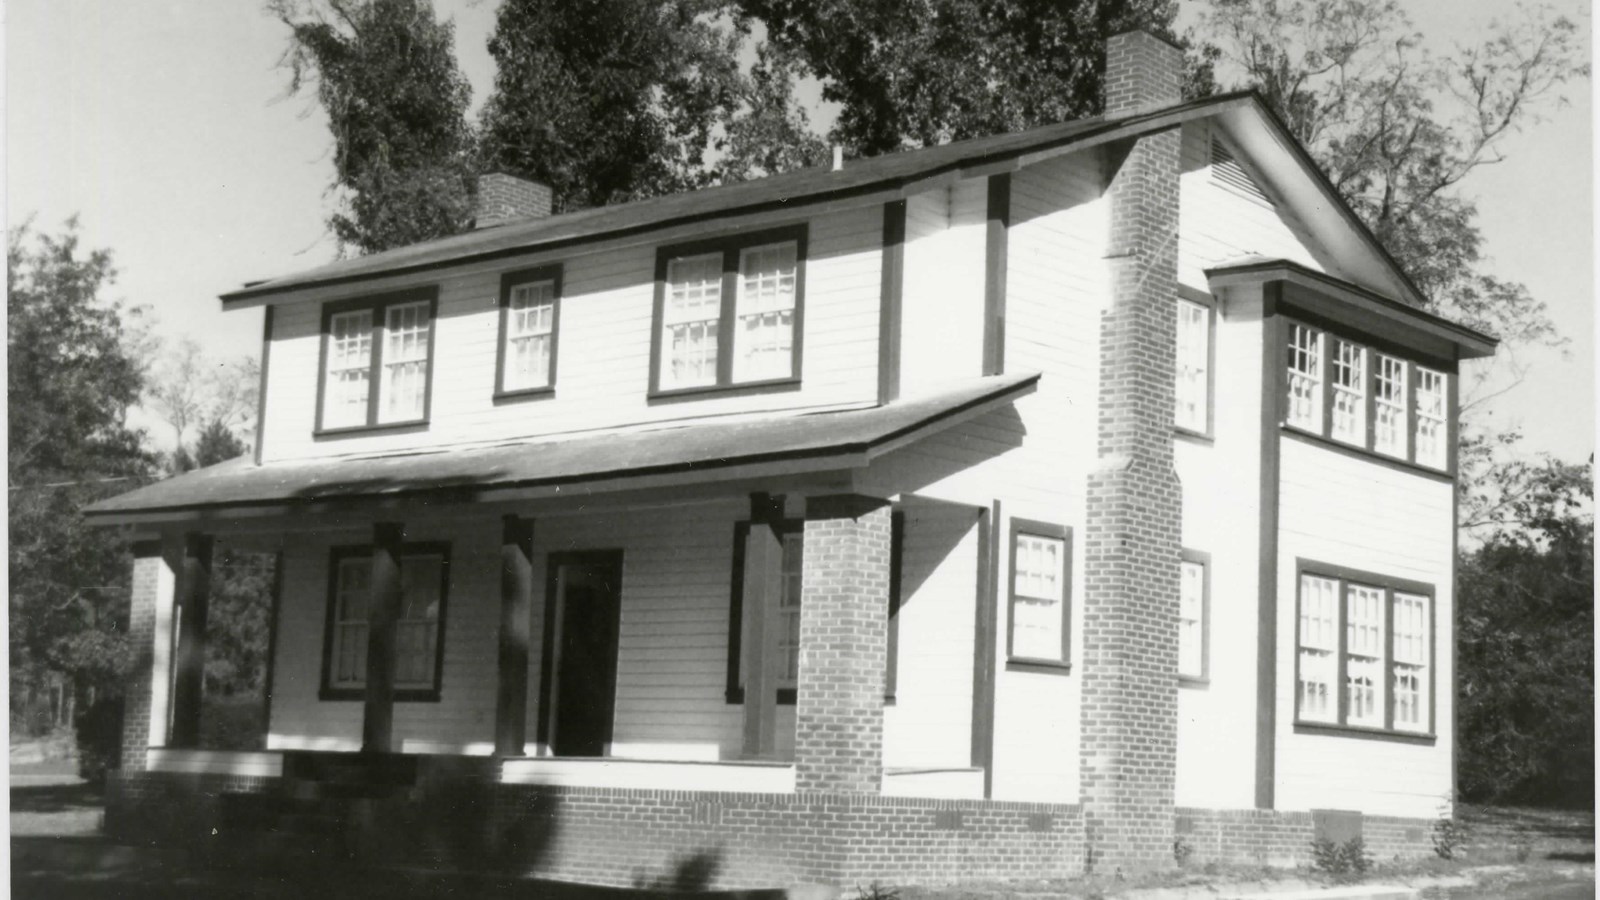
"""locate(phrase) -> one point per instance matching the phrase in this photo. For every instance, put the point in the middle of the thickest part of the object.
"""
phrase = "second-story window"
(1193, 386)
(529, 310)
(1305, 377)
(728, 312)
(1431, 418)
(377, 361)
(1389, 407)
(1349, 392)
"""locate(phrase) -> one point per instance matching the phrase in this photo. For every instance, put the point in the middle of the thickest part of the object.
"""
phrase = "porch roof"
(839, 439)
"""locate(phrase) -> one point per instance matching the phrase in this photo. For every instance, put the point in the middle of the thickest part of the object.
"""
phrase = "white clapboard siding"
(1221, 509)
(942, 293)
(1354, 513)
(603, 349)
(930, 725)
(1217, 223)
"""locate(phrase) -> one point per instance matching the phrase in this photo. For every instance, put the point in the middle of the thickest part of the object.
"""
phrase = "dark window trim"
(377, 304)
(1367, 449)
(733, 692)
(1204, 560)
(1062, 533)
(730, 247)
(508, 282)
(338, 554)
(1209, 301)
(1390, 585)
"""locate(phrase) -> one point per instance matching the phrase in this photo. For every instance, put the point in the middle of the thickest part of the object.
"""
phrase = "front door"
(581, 649)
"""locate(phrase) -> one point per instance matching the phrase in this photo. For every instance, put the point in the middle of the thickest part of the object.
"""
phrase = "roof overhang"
(1330, 300)
(626, 460)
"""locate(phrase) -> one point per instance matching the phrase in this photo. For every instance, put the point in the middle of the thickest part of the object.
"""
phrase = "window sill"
(401, 695)
(1362, 732)
(1198, 437)
(772, 385)
(1042, 666)
(1393, 462)
(786, 697)
(520, 394)
(408, 426)
(1194, 681)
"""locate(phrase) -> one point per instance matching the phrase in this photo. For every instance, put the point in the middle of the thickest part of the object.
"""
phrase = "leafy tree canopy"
(385, 73)
(925, 72)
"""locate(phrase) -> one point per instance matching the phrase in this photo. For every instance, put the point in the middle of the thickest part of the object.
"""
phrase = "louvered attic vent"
(1228, 174)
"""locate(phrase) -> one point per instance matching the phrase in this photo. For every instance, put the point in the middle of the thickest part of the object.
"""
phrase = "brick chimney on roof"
(1143, 72)
(506, 198)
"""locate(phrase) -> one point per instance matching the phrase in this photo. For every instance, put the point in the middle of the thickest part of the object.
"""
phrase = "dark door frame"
(552, 600)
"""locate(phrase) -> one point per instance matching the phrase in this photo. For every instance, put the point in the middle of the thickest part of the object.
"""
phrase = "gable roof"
(611, 460)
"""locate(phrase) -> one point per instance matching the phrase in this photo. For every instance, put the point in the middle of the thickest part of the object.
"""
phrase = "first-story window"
(1193, 388)
(1364, 650)
(376, 361)
(419, 632)
(1193, 600)
(528, 313)
(1041, 578)
(728, 312)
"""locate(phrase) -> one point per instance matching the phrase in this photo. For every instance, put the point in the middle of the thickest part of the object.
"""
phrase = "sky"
(165, 126)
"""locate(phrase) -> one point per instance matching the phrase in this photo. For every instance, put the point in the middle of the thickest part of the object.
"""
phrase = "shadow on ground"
(54, 798)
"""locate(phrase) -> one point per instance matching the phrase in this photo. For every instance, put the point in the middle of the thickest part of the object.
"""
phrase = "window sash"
(416, 631)
(1389, 407)
(1304, 387)
(1038, 596)
(764, 312)
(349, 369)
(376, 362)
(1364, 654)
(403, 392)
(530, 335)
(788, 648)
(1349, 393)
(691, 317)
(1432, 418)
(1193, 366)
(1191, 619)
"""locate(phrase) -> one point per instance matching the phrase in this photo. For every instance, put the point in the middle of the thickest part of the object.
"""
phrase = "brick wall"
(838, 737)
(502, 198)
(1268, 837)
(1134, 501)
(147, 565)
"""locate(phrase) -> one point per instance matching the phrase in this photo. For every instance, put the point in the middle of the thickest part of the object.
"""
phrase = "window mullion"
(1325, 367)
(727, 320)
(1388, 659)
(1409, 398)
(380, 329)
(1369, 377)
(1341, 629)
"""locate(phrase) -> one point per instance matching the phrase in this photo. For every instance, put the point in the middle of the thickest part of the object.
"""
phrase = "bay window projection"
(1193, 367)
(1040, 577)
(424, 582)
(376, 362)
(1379, 677)
(1305, 377)
(729, 314)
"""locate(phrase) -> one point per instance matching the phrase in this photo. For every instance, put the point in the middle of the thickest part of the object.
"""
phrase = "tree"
(771, 133)
(1398, 130)
(195, 394)
(1527, 644)
(921, 73)
(611, 100)
(71, 378)
(385, 73)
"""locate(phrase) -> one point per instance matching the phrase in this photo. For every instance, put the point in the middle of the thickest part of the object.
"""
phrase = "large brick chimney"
(1128, 758)
(506, 198)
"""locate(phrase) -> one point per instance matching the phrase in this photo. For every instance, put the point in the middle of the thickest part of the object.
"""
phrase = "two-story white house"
(1009, 508)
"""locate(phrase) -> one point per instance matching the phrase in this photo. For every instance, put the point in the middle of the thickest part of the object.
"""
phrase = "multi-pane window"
(423, 584)
(1193, 366)
(1349, 392)
(1305, 377)
(1432, 425)
(528, 330)
(1389, 407)
(730, 312)
(789, 610)
(1192, 619)
(1356, 395)
(1040, 577)
(690, 320)
(376, 361)
(1364, 651)
(1319, 648)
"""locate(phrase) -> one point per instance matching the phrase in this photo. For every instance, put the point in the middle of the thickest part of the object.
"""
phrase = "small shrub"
(1448, 837)
(1181, 851)
(98, 730)
(1348, 861)
(876, 891)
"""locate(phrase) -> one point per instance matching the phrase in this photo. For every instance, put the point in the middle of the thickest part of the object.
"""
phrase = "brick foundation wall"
(171, 808)
(147, 565)
(838, 735)
(1128, 759)
(1275, 838)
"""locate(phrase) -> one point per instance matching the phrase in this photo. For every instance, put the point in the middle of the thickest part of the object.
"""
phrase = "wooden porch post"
(763, 583)
(377, 722)
(194, 594)
(516, 604)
